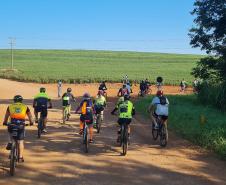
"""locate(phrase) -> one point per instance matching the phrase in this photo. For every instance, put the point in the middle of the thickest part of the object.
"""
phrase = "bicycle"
(160, 131)
(124, 141)
(66, 113)
(14, 152)
(85, 136)
(98, 121)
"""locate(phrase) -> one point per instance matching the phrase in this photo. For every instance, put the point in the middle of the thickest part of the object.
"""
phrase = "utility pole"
(12, 43)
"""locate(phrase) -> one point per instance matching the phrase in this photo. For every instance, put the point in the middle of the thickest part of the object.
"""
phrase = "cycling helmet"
(100, 92)
(42, 89)
(17, 98)
(86, 96)
(126, 97)
(69, 89)
(159, 93)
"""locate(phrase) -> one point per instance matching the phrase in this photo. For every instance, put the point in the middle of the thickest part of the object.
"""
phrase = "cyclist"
(128, 86)
(66, 100)
(59, 88)
(99, 105)
(159, 107)
(159, 83)
(182, 85)
(126, 111)
(103, 87)
(40, 104)
(142, 87)
(147, 85)
(86, 107)
(17, 113)
(123, 91)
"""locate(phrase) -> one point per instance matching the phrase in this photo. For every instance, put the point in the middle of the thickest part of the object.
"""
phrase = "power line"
(12, 43)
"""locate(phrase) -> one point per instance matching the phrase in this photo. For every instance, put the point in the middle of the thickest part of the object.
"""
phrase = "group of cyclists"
(88, 108)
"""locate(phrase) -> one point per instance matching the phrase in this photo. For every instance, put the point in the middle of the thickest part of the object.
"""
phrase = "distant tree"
(209, 33)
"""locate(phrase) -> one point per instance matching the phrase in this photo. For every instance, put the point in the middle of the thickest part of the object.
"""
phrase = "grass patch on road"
(48, 66)
(202, 125)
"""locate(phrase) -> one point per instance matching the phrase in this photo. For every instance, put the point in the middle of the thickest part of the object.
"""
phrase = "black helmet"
(126, 97)
(42, 89)
(17, 98)
(69, 89)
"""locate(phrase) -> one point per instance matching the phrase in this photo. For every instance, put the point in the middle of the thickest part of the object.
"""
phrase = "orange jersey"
(18, 111)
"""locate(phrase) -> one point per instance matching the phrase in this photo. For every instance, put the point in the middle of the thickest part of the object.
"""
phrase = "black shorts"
(19, 131)
(162, 116)
(124, 121)
(98, 108)
(87, 118)
(44, 111)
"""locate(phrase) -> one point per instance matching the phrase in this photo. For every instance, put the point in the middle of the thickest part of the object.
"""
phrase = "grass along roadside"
(81, 66)
(202, 125)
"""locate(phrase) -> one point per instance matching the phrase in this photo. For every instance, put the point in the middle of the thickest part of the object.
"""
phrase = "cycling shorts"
(124, 120)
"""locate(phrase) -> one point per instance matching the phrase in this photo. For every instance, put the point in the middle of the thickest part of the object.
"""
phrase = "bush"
(213, 94)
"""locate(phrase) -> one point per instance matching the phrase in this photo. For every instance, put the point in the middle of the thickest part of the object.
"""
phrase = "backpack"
(162, 100)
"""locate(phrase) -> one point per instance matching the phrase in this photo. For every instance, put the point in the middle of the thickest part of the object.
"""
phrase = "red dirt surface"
(57, 158)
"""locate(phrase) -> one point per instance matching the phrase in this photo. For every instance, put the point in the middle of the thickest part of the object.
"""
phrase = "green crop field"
(92, 66)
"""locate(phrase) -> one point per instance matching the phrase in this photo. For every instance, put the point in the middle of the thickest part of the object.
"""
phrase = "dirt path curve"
(57, 158)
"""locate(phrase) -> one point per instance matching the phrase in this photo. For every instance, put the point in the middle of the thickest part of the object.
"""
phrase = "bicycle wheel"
(125, 141)
(163, 135)
(155, 132)
(13, 160)
(64, 115)
(85, 140)
(98, 122)
(40, 125)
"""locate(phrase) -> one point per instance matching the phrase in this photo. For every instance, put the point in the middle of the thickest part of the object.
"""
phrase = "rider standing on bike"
(100, 104)
(86, 107)
(17, 113)
(66, 100)
(159, 107)
(126, 111)
(123, 91)
(40, 104)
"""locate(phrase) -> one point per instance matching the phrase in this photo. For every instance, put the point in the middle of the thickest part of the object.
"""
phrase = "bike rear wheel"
(125, 140)
(155, 132)
(40, 127)
(64, 115)
(98, 123)
(13, 159)
(163, 135)
(86, 140)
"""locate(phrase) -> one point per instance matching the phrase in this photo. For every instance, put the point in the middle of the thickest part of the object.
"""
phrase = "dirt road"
(57, 158)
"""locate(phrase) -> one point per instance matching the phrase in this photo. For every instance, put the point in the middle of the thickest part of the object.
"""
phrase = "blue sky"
(131, 25)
